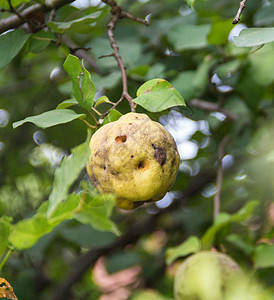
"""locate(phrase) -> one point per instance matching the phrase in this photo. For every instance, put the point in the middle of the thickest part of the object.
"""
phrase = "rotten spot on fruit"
(94, 180)
(120, 139)
(131, 156)
(159, 154)
(143, 165)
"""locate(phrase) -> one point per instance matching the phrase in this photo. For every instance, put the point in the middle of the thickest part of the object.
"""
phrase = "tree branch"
(213, 107)
(15, 21)
(219, 180)
(118, 13)
(240, 10)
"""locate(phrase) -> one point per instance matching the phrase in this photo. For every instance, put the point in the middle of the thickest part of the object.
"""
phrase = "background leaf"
(254, 37)
(4, 229)
(264, 256)
(225, 219)
(10, 44)
(191, 245)
(79, 25)
(187, 37)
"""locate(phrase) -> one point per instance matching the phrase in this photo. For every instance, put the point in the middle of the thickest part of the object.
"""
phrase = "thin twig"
(219, 178)
(213, 107)
(12, 10)
(110, 33)
(118, 13)
(89, 125)
(136, 19)
(113, 107)
(239, 12)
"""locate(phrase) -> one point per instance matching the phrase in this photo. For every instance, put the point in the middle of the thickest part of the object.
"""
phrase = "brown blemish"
(120, 139)
(159, 154)
(94, 180)
(129, 123)
(113, 172)
(143, 165)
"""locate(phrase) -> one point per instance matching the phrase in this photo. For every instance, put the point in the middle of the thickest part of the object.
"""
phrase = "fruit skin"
(207, 276)
(135, 159)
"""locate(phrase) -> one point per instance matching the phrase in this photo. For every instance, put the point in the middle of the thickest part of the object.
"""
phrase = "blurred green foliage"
(193, 49)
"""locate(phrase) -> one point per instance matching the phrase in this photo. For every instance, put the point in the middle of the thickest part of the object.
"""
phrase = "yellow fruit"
(134, 158)
(207, 276)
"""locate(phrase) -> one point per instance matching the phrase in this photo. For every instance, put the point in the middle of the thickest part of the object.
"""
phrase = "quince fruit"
(134, 158)
(207, 276)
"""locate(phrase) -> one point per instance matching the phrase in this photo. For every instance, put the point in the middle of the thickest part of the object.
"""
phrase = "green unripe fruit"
(206, 276)
(134, 158)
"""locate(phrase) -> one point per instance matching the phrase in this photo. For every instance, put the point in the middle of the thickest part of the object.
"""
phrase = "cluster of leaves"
(50, 211)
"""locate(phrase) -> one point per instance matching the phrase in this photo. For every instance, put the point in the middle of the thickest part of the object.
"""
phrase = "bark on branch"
(239, 12)
(15, 21)
(213, 107)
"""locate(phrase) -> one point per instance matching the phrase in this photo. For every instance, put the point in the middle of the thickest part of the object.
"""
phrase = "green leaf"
(219, 32)
(264, 15)
(96, 211)
(67, 103)
(261, 65)
(186, 37)
(148, 294)
(239, 242)
(65, 209)
(4, 231)
(83, 88)
(264, 256)
(184, 83)
(40, 40)
(254, 37)
(14, 3)
(81, 25)
(230, 67)
(225, 219)
(113, 115)
(25, 233)
(201, 78)
(101, 100)
(157, 95)
(67, 173)
(191, 245)
(51, 118)
(190, 3)
(10, 44)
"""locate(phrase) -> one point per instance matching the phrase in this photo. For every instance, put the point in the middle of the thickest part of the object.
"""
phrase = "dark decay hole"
(132, 156)
(141, 165)
(120, 139)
